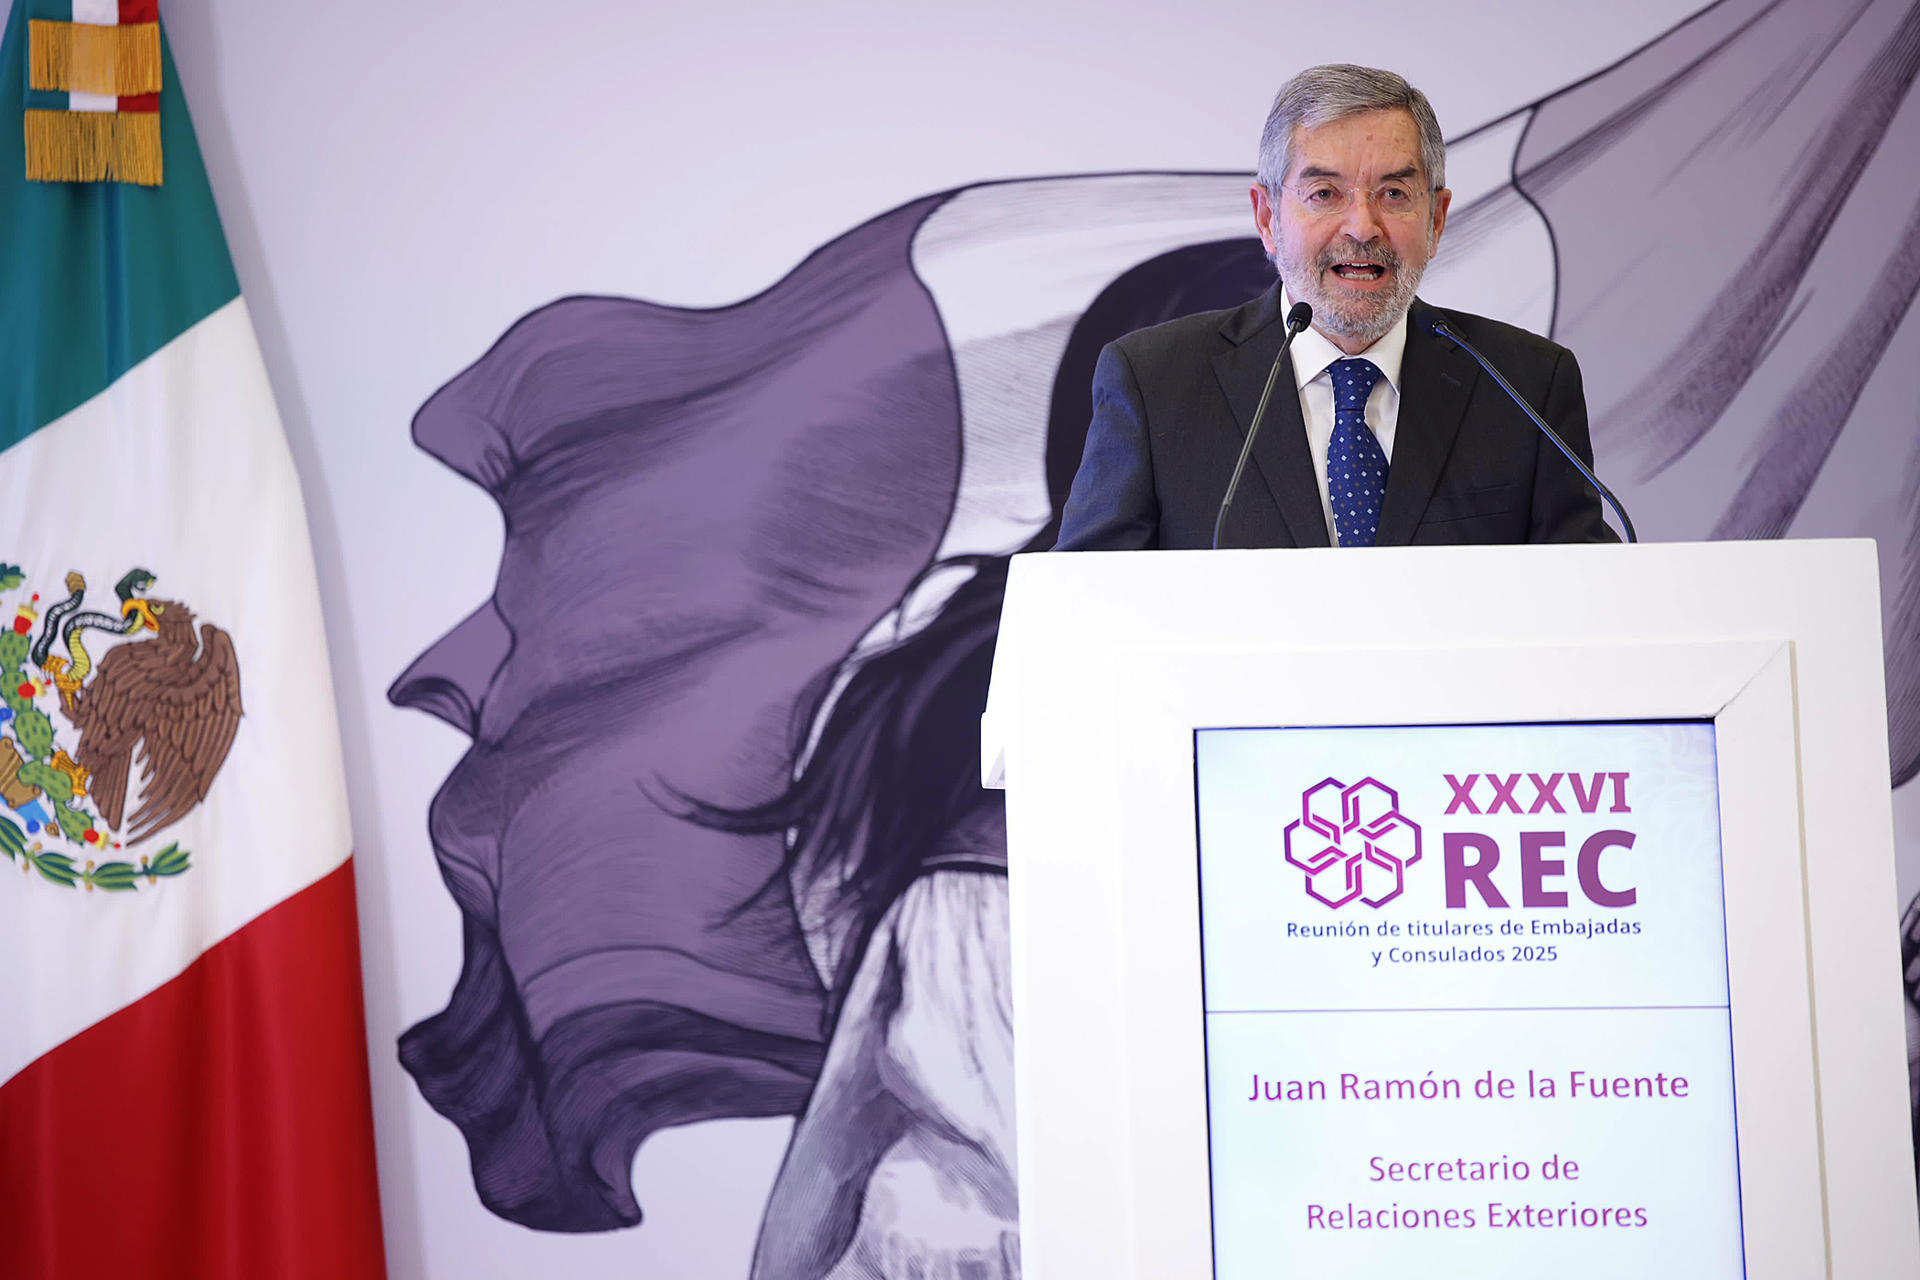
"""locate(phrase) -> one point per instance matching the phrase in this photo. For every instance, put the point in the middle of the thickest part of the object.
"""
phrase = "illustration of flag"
(183, 1069)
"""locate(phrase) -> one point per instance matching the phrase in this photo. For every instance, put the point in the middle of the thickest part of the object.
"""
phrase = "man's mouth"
(1360, 272)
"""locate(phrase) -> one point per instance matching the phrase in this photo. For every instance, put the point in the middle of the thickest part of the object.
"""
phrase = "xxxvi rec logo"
(1352, 842)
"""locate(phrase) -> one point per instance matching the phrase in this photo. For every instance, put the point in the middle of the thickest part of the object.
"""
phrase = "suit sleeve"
(1565, 506)
(1112, 505)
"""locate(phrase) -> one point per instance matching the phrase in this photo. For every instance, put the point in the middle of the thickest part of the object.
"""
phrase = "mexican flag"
(183, 1063)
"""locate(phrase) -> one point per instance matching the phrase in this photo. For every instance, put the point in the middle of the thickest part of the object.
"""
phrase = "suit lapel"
(1436, 379)
(1280, 452)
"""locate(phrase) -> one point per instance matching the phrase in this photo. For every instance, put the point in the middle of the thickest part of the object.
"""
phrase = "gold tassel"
(136, 148)
(79, 57)
(94, 146)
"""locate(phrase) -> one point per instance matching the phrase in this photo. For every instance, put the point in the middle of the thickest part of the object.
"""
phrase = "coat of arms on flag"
(164, 696)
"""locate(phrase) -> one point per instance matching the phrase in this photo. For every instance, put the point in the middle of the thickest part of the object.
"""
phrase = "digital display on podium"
(1466, 1002)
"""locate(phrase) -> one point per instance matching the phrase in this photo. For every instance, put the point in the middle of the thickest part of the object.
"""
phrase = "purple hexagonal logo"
(1352, 842)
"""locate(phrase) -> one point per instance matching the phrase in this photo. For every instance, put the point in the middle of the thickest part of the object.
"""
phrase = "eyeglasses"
(1324, 199)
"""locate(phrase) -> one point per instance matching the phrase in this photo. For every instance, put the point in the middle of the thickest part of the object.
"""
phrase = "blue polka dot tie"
(1356, 465)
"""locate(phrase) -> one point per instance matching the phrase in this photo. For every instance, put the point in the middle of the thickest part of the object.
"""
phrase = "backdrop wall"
(401, 185)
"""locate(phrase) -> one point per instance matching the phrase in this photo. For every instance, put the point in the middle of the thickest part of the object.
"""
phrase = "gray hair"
(1321, 95)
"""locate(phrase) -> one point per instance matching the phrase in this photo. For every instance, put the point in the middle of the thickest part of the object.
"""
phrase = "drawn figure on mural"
(718, 841)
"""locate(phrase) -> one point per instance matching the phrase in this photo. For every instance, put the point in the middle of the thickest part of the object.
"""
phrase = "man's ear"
(1441, 200)
(1263, 217)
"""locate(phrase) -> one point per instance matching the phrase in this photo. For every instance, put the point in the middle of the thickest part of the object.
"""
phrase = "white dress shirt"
(1312, 353)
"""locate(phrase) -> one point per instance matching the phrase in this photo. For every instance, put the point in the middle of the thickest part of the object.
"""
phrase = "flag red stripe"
(132, 11)
(139, 102)
(220, 1128)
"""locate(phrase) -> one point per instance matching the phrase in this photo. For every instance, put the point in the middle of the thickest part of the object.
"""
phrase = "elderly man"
(1395, 435)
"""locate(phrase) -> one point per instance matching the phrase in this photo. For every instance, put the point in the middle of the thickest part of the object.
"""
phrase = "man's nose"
(1360, 221)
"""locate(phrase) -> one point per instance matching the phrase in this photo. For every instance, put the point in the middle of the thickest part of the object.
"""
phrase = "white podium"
(1325, 864)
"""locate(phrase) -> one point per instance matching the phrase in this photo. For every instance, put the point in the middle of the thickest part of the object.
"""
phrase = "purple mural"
(701, 519)
(719, 842)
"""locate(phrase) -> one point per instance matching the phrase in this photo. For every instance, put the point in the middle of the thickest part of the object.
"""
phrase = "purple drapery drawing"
(1736, 222)
(703, 512)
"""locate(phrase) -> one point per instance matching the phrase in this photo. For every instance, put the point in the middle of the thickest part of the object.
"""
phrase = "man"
(1395, 435)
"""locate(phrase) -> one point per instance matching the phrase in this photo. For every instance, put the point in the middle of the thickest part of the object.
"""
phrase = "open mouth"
(1359, 272)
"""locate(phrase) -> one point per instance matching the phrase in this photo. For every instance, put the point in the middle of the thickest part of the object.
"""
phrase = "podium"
(1359, 893)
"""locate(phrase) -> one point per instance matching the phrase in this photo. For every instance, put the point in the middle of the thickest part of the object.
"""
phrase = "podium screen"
(1466, 1001)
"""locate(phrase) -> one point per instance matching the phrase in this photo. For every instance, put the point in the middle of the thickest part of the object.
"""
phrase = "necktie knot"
(1353, 381)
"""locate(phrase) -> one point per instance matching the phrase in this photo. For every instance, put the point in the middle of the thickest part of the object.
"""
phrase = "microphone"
(1439, 326)
(1297, 319)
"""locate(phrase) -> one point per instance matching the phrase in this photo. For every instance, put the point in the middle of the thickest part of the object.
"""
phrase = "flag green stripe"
(47, 10)
(96, 277)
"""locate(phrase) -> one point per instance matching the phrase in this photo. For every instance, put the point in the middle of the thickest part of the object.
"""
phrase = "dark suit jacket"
(1171, 406)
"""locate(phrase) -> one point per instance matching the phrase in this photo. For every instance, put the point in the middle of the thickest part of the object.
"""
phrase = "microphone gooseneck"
(1439, 326)
(1297, 319)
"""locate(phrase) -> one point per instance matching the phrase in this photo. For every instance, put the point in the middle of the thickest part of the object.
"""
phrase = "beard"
(1362, 319)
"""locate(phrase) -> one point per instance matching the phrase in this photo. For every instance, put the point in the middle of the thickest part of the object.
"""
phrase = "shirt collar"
(1313, 351)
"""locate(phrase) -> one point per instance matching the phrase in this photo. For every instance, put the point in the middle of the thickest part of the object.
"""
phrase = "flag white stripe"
(97, 13)
(179, 468)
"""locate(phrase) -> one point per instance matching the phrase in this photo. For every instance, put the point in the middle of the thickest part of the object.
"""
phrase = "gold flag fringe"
(79, 57)
(94, 146)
